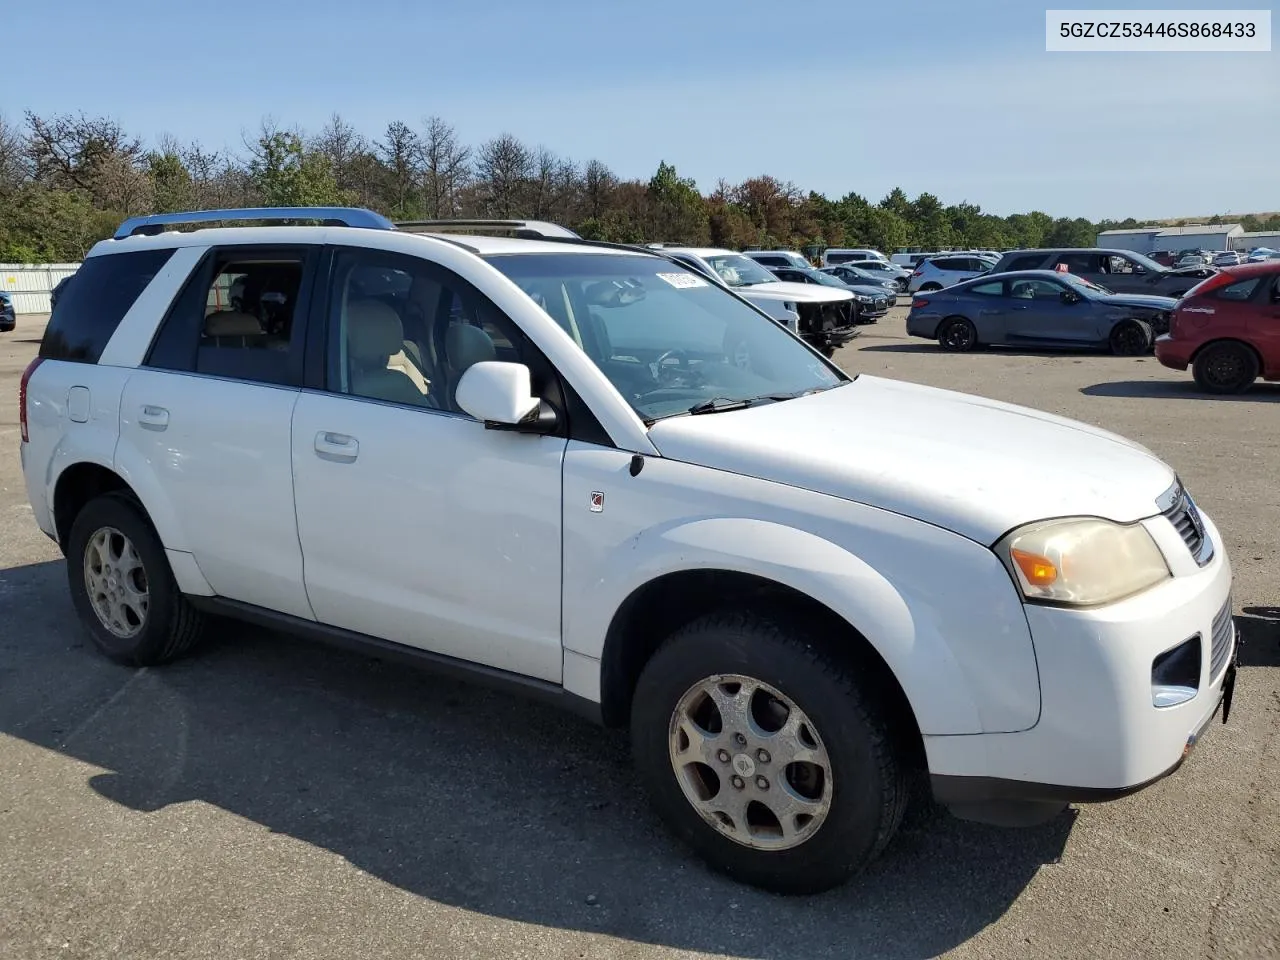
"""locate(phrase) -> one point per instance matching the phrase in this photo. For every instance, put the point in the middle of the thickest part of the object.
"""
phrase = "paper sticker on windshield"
(683, 281)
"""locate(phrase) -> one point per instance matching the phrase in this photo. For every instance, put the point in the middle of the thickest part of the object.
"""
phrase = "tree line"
(68, 180)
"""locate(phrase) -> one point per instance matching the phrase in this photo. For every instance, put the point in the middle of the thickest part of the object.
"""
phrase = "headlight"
(861, 298)
(1082, 562)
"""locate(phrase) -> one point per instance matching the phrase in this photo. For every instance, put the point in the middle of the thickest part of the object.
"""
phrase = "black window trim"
(577, 420)
(202, 276)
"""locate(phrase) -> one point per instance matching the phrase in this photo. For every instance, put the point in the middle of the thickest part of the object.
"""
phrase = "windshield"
(739, 271)
(668, 339)
(1089, 288)
(826, 279)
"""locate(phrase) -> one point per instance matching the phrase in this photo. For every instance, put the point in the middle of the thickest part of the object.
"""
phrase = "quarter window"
(993, 289)
(1239, 291)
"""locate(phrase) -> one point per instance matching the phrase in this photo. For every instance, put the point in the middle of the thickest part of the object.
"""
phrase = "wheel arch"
(1218, 341)
(660, 606)
(75, 486)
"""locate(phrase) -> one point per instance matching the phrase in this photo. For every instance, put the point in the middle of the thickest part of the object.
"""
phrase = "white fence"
(29, 284)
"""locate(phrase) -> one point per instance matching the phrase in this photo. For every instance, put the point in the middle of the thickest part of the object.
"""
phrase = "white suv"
(946, 269)
(590, 474)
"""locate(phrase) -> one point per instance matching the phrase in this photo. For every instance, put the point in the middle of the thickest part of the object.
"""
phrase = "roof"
(1129, 230)
(482, 245)
(1251, 234)
(1199, 229)
(703, 251)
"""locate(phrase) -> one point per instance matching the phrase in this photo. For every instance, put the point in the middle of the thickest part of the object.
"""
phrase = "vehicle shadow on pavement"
(465, 796)
(1179, 390)
(1259, 636)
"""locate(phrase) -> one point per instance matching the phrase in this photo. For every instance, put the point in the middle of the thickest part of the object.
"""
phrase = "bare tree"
(401, 151)
(598, 186)
(93, 154)
(504, 168)
(446, 169)
(345, 149)
(13, 167)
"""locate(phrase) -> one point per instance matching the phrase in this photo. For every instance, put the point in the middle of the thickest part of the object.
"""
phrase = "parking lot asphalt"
(266, 798)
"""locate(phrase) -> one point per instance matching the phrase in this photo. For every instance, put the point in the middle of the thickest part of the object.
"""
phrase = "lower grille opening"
(1175, 674)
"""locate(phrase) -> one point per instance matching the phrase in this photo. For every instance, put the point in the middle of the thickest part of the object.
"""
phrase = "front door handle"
(337, 447)
(153, 418)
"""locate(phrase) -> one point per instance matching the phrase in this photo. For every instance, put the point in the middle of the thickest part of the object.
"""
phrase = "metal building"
(29, 284)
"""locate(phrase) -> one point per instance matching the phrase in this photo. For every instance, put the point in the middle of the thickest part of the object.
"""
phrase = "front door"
(209, 414)
(417, 524)
(1037, 312)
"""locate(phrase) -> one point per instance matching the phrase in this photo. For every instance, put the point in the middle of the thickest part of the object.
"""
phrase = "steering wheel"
(682, 361)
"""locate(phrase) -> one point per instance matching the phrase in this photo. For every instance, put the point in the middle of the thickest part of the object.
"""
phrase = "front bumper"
(1099, 735)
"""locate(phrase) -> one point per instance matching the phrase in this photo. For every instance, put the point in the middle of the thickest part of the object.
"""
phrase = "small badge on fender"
(597, 501)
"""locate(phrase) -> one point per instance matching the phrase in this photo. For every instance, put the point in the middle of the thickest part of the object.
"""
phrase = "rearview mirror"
(500, 395)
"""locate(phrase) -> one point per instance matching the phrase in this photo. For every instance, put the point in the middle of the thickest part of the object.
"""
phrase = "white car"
(592, 475)
(834, 256)
(828, 315)
(946, 269)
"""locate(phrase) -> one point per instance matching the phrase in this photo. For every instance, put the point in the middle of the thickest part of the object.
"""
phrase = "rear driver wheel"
(957, 335)
(122, 587)
(1228, 367)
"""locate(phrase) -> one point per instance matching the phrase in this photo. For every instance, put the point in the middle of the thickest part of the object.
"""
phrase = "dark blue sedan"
(1039, 308)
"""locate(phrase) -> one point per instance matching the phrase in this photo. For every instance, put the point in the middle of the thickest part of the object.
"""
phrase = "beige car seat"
(376, 357)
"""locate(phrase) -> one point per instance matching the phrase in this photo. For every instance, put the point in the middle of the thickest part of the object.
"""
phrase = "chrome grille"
(1186, 520)
(1224, 633)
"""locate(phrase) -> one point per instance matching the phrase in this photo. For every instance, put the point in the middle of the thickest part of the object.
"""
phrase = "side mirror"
(500, 395)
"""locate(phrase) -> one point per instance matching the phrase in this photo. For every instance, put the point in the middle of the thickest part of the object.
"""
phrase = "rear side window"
(90, 309)
(1239, 291)
(1029, 261)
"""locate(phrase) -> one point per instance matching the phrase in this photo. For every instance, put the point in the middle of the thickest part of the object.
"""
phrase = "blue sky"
(958, 99)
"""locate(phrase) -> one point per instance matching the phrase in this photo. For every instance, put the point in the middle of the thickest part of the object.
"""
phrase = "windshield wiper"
(719, 405)
(722, 404)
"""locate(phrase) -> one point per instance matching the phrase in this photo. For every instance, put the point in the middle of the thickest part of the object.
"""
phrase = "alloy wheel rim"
(957, 335)
(116, 583)
(750, 762)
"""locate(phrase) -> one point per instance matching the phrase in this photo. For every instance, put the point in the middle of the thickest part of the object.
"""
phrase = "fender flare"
(917, 654)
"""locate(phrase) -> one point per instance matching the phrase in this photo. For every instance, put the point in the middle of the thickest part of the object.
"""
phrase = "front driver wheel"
(1131, 338)
(1225, 368)
(771, 759)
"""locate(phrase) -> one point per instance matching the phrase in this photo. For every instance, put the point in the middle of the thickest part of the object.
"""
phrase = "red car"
(1227, 329)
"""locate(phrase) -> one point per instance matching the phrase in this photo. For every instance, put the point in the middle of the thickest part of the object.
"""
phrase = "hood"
(974, 466)
(1145, 301)
(800, 292)
(867, 290)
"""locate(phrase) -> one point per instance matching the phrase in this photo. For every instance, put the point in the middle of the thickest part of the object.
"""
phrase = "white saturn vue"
(589, 472)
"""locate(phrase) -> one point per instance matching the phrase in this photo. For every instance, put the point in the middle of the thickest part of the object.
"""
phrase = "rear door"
(209, 415)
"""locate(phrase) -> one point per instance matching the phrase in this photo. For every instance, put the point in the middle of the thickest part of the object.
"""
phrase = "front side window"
(668, 339)
(403, 330)
(1035, 290)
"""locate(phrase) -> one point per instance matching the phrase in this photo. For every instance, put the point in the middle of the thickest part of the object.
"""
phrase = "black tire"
(170, 626)
(1131, 338)
(930, 287)
(957, 335)
(1226, 367)
(869, 786)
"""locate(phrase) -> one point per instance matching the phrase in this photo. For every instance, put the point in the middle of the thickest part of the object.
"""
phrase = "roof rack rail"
(155, 223)
(524, 229)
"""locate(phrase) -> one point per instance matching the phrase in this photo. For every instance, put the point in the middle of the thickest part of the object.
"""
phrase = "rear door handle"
(153, 418)
(337, 447)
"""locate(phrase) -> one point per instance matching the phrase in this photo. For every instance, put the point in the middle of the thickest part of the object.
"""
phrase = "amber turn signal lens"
(1038, 570)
